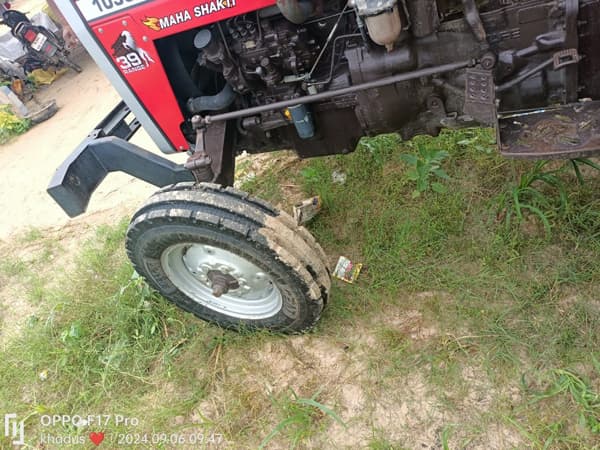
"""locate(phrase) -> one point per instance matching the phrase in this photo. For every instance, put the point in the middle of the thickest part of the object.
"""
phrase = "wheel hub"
(222, 280)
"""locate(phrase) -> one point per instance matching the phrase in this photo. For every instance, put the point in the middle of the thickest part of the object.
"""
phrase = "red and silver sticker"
(129, 56)
(94, 9)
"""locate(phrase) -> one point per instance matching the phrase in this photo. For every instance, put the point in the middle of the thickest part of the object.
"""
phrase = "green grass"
(31, 235)
(300, 418)
(11, 267)
(383, 444)
(11, 125)
(504, 282)
(479, 329)
(102, 337)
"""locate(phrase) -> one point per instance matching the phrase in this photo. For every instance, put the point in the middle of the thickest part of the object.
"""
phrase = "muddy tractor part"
(216, 79)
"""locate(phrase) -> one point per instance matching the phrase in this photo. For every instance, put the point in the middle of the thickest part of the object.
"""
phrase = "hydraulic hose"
(215, 102)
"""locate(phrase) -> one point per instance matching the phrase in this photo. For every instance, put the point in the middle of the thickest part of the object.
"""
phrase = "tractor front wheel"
(229, 259)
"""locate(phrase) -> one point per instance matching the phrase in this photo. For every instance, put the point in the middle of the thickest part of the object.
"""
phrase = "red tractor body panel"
(127, 31)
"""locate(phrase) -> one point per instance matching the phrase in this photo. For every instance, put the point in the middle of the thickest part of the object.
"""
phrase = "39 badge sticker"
(128, 55)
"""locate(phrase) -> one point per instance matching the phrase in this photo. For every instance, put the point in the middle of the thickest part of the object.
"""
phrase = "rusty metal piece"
(474, 20)
(480, 96)
(565, 58)
(200, 164)
(221, 283)
(572, 41)
(488, 61)
(213, 159)
(566, 132)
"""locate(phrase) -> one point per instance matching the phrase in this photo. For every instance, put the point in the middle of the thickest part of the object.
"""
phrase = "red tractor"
(216, 77)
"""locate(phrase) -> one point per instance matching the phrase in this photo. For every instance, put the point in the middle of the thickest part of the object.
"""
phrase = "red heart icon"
(96, 438)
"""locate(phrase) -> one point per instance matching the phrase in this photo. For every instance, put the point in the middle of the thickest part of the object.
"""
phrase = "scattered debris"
(568, 131)
(47, 76)
(42, 112)
(245, 178)
(346, 270)
(307, 209)
(338, 177)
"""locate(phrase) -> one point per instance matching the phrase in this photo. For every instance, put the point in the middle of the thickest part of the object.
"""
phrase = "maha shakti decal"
(205, 9)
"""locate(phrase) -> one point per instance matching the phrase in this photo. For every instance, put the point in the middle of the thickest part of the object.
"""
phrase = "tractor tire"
(228, 258)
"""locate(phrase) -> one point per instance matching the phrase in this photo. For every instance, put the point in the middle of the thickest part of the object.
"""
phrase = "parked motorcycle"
(44, 47)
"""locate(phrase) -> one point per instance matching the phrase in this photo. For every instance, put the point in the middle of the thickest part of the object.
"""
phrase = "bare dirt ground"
(28, 162)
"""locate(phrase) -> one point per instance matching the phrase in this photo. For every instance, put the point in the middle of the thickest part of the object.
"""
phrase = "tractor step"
(563, 132)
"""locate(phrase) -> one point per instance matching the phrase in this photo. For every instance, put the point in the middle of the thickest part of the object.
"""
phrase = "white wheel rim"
(187, 266)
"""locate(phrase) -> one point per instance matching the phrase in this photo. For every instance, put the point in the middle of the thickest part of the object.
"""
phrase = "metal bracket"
(572, 41)
(565, 58)
(561, 132)
(200, 163)
(480, 98)
(213, 159)
(474, 19)
(106, 150)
